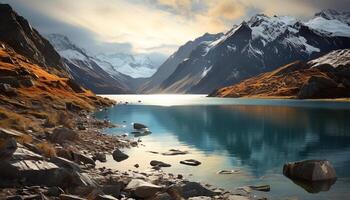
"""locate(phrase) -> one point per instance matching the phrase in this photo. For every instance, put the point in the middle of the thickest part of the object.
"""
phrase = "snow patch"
(332, 27)
(205, 71)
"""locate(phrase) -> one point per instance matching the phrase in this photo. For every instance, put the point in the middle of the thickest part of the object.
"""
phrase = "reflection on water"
(258, 139)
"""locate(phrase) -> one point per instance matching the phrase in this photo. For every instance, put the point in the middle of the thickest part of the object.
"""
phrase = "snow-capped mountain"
(86, 70)
(169, 66)
(136, 66)
(259, 45)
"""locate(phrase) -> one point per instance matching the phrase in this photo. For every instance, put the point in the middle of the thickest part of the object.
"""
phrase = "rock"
(73, 107)
(179, 176)
(233, 171)
(142, 189)
(54, 191)
(237, 197)
(173, 152)
(83, 159)
(262, 188)
(100, 157)
(159, 163)
(27, 82)
(8, 89)
(133, 144)
(200, 198)
(119, 155)
(162, 196)
(113, 190)
(75, 87)
(310, 170)
(105, 197)
(70, 197)
(13, 81)
(137, 165)
(139, 126)
(64, 163)
(62, 134)
(194, 189)
(190, 162)
(15, 197)
(7, 148)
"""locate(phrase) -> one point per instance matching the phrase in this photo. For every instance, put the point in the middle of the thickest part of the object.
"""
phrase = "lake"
(253, 136)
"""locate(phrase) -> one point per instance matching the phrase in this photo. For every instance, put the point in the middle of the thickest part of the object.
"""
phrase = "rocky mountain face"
(152, 85)
(87, 69)
(325, 77)
(16, 32)
(259, 45)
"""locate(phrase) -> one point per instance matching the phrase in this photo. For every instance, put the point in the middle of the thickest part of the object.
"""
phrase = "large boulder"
(62, 134)
(119, 155)
(194, 189)
(7, 148)
(142, 189)
(310, 170)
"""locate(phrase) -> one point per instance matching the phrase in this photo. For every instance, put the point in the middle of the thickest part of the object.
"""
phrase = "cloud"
(152, 26)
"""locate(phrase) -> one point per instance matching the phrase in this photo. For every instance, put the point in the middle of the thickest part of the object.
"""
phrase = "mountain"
(16, 32)
(325, 77)
(259, 45)
(169, 66)
(86, 69)
(136, 66)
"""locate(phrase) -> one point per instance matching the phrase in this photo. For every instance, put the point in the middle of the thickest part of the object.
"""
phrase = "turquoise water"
(255, 137)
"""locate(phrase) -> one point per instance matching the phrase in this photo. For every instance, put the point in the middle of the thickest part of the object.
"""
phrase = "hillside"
(324, 77)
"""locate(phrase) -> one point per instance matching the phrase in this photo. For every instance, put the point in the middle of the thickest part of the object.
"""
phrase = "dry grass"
(47, 149)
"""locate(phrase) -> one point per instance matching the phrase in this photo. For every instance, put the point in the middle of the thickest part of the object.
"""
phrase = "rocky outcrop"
(63, 134)
(24, 39)
(310, 170)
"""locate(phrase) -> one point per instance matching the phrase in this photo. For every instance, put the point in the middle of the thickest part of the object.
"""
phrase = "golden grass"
(47, 149)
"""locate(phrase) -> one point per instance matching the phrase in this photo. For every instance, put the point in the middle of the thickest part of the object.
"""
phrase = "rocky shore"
(61, 165)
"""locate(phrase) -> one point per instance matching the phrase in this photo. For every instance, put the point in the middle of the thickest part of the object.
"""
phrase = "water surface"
(254, 136)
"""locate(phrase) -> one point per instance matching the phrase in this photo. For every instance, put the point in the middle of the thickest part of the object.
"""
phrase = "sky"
(153, 27)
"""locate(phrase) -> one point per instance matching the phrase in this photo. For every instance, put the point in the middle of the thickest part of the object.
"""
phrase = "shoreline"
(76, 157)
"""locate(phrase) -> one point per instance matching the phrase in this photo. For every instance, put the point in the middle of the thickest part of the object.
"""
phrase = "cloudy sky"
(151, 26)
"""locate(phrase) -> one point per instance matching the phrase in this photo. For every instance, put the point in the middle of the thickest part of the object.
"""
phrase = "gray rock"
(142, 189)
(7, 89)
(194, 189)
(316, 87)
(54, 191)
(62, 134)
(162, 196)
(262, 188)
(13, 81)
(190, 162)
(139, 126)
(27, 82)
(119, 155)
(105, 197)
(159, 163)
(310, 170)
(174, 152)
(70, 197)
(82, 159)
(64, 163)
(114, 189)
(100, 157)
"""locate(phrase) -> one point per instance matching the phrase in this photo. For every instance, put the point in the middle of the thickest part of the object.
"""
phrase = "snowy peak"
(331, 14)
(335, 58)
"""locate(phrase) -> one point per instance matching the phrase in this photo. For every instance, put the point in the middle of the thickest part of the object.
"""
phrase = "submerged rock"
(159, 163)
(139, 126)
(119, 155)
(310, 170)
(190, 162)
(233, 171)
(173, 152)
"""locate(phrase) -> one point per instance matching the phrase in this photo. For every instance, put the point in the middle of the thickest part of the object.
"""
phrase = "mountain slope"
(86, 70)
(324, 77)
(259, 45)
(24, 39)
(169, 66)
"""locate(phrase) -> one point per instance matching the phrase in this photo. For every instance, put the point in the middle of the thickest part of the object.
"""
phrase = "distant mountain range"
(259, 45)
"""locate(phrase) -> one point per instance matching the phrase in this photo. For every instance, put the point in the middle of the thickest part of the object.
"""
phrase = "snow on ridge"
(205, 71)
(332, 27)
(335, 58)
